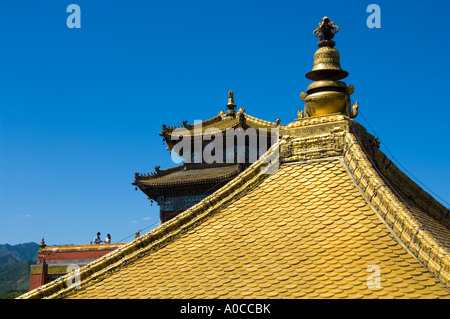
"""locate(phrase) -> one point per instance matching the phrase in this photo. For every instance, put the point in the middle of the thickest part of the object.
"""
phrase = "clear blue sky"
(81, 109)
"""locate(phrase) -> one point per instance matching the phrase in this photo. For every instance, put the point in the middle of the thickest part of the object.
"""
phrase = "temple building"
(177, 188)
(328, 216)
(54, 262)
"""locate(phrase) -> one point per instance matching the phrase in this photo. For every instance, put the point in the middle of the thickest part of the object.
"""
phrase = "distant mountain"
(20, 252)
(15, 261)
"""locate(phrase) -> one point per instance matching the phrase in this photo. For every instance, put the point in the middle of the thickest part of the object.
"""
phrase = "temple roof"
(317, 228)
(223, 121)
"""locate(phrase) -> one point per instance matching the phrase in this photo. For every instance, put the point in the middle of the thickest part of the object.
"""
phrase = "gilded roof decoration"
(326, 31)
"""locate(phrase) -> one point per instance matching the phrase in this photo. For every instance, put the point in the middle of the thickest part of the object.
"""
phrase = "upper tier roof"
(223, 121)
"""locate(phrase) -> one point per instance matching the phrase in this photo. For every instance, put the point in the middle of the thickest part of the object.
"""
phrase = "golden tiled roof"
(314, 229)
(306, 231)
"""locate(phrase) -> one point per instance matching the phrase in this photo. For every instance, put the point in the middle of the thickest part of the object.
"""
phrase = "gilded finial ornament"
(231, 98)
(231, 106)
(325, 32)
(327, 94)
(42, 244)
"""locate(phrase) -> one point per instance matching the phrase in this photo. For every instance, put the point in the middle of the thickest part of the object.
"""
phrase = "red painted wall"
(37, 280)
(76, 254)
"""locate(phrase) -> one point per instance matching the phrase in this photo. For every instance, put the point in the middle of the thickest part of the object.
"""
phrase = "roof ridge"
(410, 189)
(163, 172)
(420, 242)
(214, 119)
(233, 121)
(258, 120)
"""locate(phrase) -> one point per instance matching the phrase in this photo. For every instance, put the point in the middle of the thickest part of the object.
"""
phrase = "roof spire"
(326, 59)
(42, 244)
(327, 95)
(230, 106)
(325, 32)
